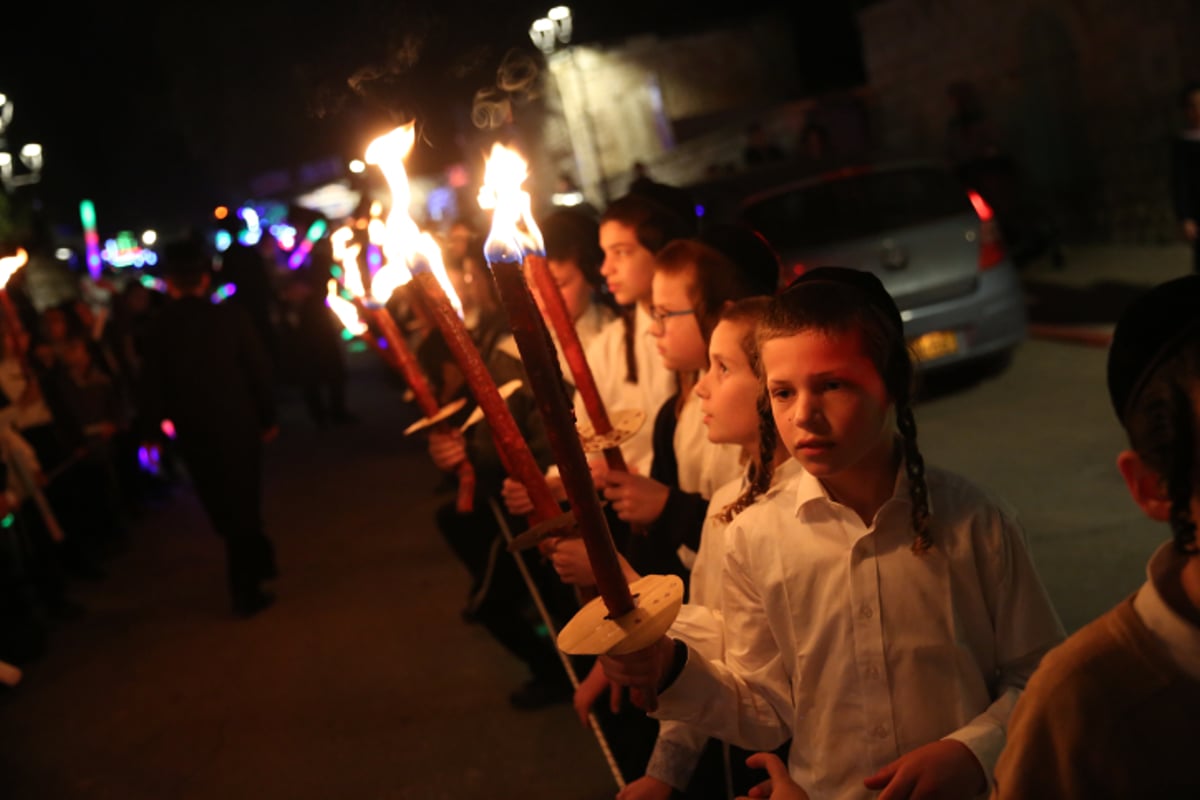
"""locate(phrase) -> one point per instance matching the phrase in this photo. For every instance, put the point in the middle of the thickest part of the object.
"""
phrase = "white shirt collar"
(1180, 637)
(785, 474)
(809, 489)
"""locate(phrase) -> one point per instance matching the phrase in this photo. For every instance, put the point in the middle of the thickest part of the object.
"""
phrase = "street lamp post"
(30, 155)
(548, 34)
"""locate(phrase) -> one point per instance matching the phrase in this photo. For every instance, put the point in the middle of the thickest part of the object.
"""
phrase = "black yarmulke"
(867, 283)
(1152, 328)
(756, 260)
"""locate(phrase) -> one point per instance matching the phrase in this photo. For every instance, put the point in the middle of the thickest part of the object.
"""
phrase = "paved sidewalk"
(1081, 301)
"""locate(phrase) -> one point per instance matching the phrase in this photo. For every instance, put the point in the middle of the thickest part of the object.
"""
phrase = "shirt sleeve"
(676, 753)
(1025, 626)
(746, 699)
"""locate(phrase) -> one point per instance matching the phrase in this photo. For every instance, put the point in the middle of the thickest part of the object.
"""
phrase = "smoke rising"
(516, 82)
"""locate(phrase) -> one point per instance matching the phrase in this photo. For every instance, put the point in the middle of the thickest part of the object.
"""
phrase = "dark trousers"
(326, 400)
(229, 487)
(499, 598)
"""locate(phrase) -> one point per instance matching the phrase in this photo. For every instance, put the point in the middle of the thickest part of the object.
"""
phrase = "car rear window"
(851, 205)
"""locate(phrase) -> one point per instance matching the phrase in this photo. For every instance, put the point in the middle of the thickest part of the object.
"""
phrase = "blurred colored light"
(220, 212)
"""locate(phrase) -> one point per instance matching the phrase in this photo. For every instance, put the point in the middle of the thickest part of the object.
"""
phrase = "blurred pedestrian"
(310, 342)
(207, 371)
(1185, 170)
(244, 266)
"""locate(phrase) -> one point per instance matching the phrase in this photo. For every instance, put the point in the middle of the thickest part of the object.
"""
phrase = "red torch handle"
(545, 378)
(514, 450)
(568, 338)
(406, 361)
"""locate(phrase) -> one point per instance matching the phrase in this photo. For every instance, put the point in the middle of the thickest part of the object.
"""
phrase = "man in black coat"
(207, 371)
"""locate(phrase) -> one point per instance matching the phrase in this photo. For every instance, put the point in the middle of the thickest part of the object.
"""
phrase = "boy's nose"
(805, 412)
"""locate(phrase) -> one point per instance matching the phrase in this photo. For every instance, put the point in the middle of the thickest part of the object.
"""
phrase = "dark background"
(157, 113)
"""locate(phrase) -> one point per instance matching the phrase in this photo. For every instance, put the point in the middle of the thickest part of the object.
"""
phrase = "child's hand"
(779, 786)
(516, 497)
(646, 788)
(642, 671)
(587, 693)
(941, 769)
(448, 449)
(570, 561)
(636, 499)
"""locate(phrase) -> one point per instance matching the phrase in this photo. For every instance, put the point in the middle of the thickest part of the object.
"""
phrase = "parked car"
(934, 243)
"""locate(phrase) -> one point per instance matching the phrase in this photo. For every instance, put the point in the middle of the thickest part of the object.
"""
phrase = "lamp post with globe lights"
(30, 155)
(550, 34)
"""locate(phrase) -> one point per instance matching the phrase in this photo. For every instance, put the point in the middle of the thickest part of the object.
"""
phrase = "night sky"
(158, 113)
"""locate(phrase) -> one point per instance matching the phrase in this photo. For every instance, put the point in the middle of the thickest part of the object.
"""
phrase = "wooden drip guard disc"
(506, 391)
(561, 525)
(445, 413)
(657, 599)
(625, 423)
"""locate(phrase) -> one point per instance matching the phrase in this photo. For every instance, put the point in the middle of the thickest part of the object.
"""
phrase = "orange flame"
(345, 311)
(403, 243)
(514, 231)
(10, 264)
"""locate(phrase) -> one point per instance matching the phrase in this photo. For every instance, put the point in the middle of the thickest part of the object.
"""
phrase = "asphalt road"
(363, 681)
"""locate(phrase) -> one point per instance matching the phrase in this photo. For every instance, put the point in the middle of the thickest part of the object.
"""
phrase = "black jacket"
(207, 371)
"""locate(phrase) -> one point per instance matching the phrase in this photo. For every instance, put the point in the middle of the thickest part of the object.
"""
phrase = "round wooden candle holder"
(444, 413)
(592, 632)
(625, 424)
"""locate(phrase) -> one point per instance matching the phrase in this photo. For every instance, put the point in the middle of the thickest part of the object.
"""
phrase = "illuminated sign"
(125, 251)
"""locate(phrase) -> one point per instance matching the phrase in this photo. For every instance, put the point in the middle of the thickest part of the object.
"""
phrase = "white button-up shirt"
(655, 383)
(838, 635)
(700, 624)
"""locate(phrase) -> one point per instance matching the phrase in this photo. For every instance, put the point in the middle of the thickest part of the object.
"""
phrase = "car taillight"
(991, 246)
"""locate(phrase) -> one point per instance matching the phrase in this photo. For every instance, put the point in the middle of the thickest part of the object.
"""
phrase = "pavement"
(363, 681)
(1081, 300)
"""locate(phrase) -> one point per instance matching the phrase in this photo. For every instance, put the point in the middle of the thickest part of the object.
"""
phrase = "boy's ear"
(1146, 486)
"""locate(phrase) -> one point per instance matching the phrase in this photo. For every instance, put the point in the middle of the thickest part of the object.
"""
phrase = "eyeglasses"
(660, 315)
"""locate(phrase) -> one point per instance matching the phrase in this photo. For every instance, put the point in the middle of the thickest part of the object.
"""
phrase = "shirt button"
(880, 731)
(867, 611)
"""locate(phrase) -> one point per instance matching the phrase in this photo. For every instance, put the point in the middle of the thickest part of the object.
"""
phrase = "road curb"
(1089, 335)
